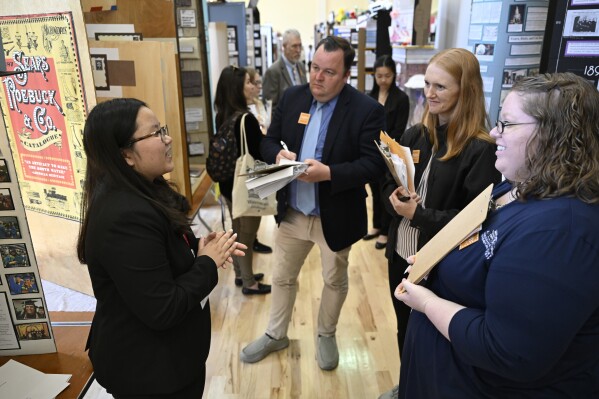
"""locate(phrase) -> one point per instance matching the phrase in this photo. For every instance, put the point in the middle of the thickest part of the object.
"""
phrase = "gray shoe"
(392, 394)
(261, 348)
(327, 354)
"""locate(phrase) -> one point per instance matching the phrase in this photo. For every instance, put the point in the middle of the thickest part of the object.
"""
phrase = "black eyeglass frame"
(501, 125)
(162, 133)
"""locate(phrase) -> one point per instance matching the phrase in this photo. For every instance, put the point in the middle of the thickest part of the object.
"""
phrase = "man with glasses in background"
(287, 71)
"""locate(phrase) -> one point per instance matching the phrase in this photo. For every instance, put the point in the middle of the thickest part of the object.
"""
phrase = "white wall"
(301, 14)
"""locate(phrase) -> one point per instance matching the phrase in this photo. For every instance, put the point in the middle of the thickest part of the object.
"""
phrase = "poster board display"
(506, 36)
(44, 114)
(571, 43)
(24, 324)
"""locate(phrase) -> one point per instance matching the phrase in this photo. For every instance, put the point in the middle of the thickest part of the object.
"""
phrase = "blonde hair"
(469, 119)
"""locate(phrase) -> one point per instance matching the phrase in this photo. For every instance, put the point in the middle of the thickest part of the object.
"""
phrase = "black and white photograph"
(516, 18)
(484, 49)
(100, 71)
(14, 255)
(511, 76)
(581, 23)
(29, 309)
(6, 202)
(9, 228)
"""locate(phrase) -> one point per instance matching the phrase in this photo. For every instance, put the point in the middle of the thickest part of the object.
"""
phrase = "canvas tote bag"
(244, 203)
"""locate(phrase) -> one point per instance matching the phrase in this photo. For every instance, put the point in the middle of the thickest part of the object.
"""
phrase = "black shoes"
(257, 277)
(262, 289)
(370, 236)
(261, 248)
(380, 245)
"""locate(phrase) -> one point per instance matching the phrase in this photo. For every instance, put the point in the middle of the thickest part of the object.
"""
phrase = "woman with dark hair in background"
(397, 110)
(516, 313)
(454, 160)
(262, 114)
(151, 276)
(230, 101)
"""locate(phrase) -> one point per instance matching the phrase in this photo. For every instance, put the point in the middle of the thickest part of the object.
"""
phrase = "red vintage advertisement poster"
(44, 111)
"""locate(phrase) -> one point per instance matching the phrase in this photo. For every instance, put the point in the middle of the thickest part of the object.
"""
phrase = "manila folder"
(450, 236)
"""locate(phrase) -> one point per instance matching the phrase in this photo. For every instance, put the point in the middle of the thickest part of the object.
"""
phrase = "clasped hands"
(221, 247)
(316, 172)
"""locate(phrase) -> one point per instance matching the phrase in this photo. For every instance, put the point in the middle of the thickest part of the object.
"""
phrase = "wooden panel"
(366, 333)
(152, 18)
(156, 84)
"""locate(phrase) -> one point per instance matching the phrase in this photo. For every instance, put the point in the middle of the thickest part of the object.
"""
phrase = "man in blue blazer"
(332, 127)
(287, 71)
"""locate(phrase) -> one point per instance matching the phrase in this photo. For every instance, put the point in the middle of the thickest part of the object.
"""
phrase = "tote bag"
(244, 203)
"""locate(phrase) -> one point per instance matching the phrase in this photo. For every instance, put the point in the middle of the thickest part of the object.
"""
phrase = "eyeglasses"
(162, 133)
(501, 125)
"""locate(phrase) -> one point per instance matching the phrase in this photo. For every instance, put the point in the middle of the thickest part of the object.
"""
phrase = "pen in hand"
(284, 145)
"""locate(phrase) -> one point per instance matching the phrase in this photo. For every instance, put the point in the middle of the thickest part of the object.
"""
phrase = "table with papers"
(69, 367)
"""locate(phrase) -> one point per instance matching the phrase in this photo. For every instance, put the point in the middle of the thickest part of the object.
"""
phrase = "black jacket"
(149, 335)
(397, 111)
(451, 185)
(349, 151)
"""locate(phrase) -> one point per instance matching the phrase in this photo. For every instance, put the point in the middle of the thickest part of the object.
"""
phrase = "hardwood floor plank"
(366, 335)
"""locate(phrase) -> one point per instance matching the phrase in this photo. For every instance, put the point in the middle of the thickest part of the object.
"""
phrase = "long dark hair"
(229, 98)
(109, 126)
(387, 62)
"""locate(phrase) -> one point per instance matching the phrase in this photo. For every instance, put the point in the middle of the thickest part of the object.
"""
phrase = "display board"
(572, 39)
(24, 324)
(507, 38)
(45, 111)
(44, 114)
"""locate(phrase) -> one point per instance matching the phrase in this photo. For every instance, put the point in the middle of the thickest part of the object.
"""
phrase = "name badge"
(469, 241)
(416, 156)
(304, 118)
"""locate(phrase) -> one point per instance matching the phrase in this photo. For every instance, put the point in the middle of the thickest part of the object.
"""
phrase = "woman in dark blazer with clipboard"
(151, 276)
(397, 110)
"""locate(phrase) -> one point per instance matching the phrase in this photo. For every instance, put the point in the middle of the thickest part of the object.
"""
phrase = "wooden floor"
(366, 338)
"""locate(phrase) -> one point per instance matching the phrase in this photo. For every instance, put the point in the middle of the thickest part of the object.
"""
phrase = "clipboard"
(403, 153)
(450, 236)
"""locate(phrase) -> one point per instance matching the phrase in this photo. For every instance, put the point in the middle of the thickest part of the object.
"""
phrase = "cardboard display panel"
(45, 112)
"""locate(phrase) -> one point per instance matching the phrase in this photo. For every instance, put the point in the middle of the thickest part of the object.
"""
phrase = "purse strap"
(244, 142)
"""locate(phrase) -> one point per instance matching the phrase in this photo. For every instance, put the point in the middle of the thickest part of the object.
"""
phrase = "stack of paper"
(272, 178)
(18, 381)
(399, 161)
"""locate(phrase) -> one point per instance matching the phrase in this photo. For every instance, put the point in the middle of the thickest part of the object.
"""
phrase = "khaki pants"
(296, 236)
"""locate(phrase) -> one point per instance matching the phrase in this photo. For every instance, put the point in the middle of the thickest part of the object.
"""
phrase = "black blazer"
(149, 335)
(451, 184)
(349, 151)
(397, 111)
